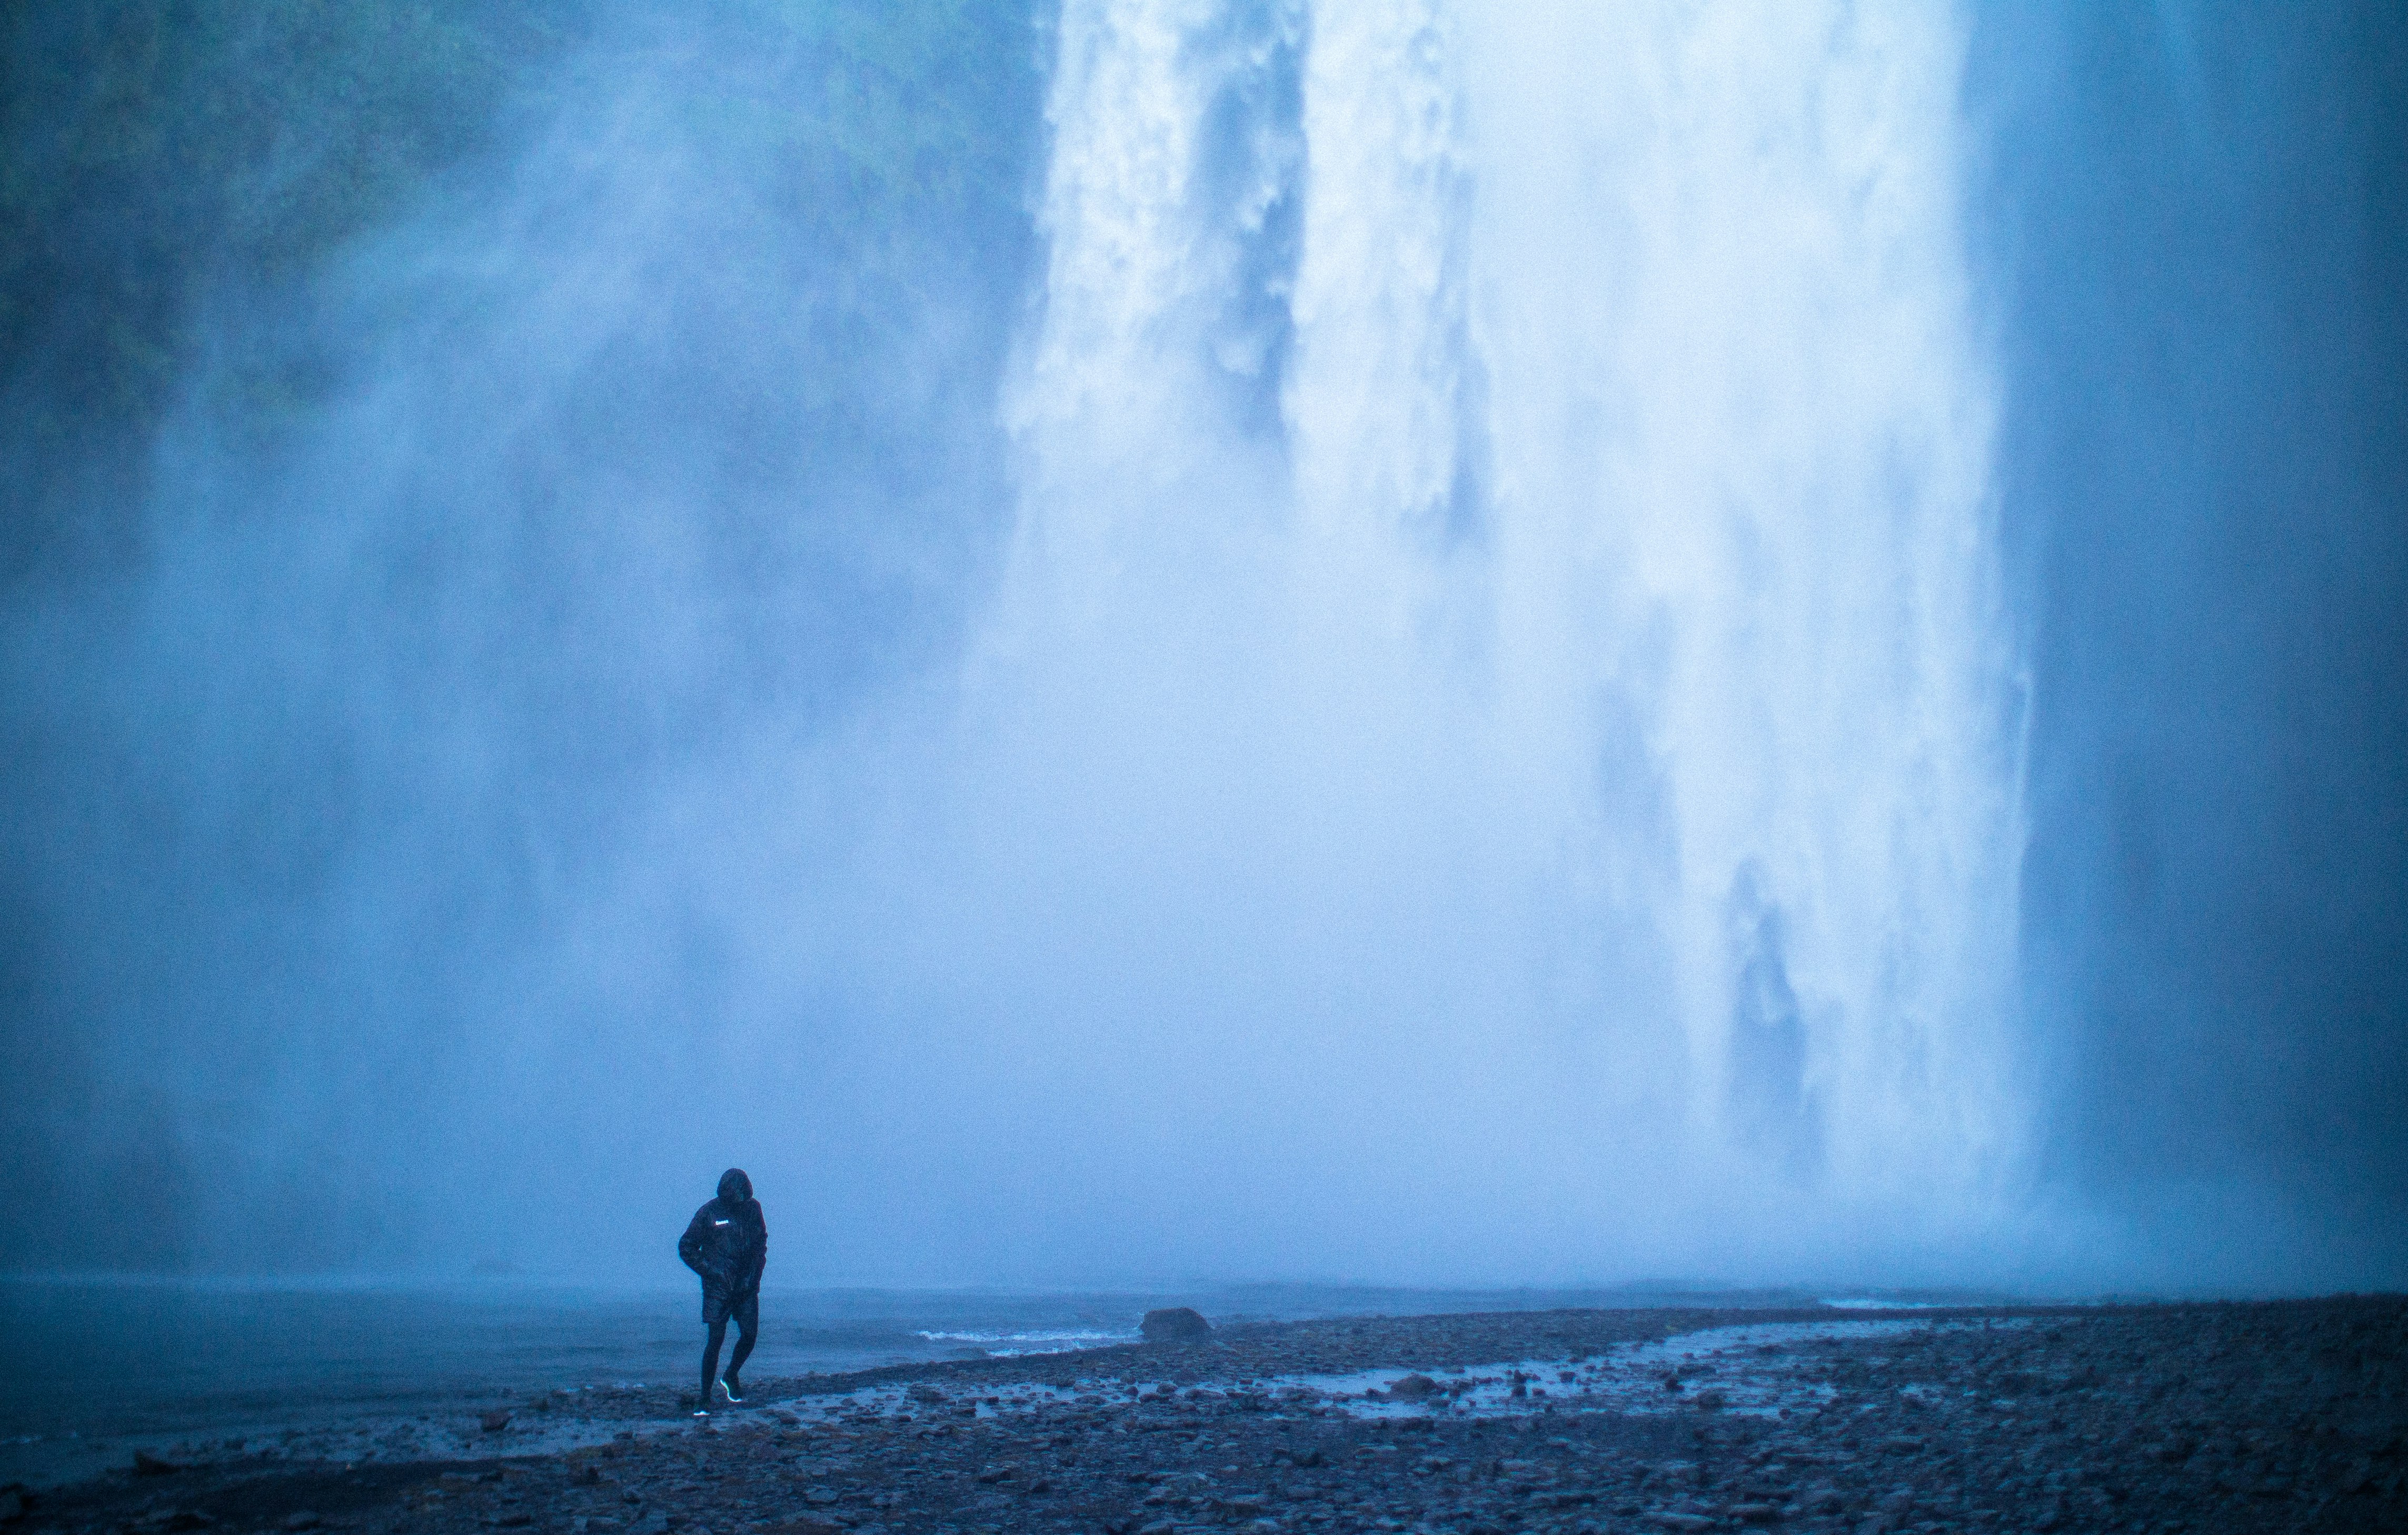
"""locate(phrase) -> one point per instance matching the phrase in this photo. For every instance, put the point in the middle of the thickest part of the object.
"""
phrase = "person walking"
(727, 1243)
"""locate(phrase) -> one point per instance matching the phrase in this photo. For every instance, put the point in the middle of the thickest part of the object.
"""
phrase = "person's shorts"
(719, 1306)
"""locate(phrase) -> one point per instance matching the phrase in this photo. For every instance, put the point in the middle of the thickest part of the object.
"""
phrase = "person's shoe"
(735, 1391)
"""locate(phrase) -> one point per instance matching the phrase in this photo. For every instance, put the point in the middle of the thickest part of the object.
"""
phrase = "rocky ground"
(2173, 1419)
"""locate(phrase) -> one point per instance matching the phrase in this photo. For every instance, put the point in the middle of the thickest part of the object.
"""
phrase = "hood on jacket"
(734, 1186)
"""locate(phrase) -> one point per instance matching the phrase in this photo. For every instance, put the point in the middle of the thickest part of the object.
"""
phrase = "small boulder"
(1414, 1387)
(147, 1464)
(496, 1421)
(1175, 1325)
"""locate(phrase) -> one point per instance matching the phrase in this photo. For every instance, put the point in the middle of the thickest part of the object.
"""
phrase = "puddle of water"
(1759, 1370)
(1753, 1370)
(1014, 1346)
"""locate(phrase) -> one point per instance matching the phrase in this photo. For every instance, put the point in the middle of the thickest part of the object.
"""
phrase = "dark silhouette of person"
(727, 1243)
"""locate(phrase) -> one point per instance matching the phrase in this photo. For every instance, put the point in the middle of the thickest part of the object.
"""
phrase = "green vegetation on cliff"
(163, 167)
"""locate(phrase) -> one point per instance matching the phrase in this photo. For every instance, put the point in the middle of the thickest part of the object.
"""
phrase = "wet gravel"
(2172, 1419)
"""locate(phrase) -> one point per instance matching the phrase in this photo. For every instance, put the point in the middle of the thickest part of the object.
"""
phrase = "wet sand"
(2172, 1419)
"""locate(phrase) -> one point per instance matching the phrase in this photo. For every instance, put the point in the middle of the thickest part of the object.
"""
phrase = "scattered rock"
(1174, 1324)
(2224, 1420)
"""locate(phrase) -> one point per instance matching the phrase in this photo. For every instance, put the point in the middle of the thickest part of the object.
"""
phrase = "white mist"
(1495, 754)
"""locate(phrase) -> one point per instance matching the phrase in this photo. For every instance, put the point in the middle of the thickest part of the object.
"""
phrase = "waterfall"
(1506, 597)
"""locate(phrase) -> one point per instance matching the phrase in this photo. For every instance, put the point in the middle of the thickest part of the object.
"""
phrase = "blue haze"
(471, 779)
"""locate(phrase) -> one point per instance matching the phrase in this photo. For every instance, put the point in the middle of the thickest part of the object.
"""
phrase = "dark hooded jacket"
(727, 1242)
